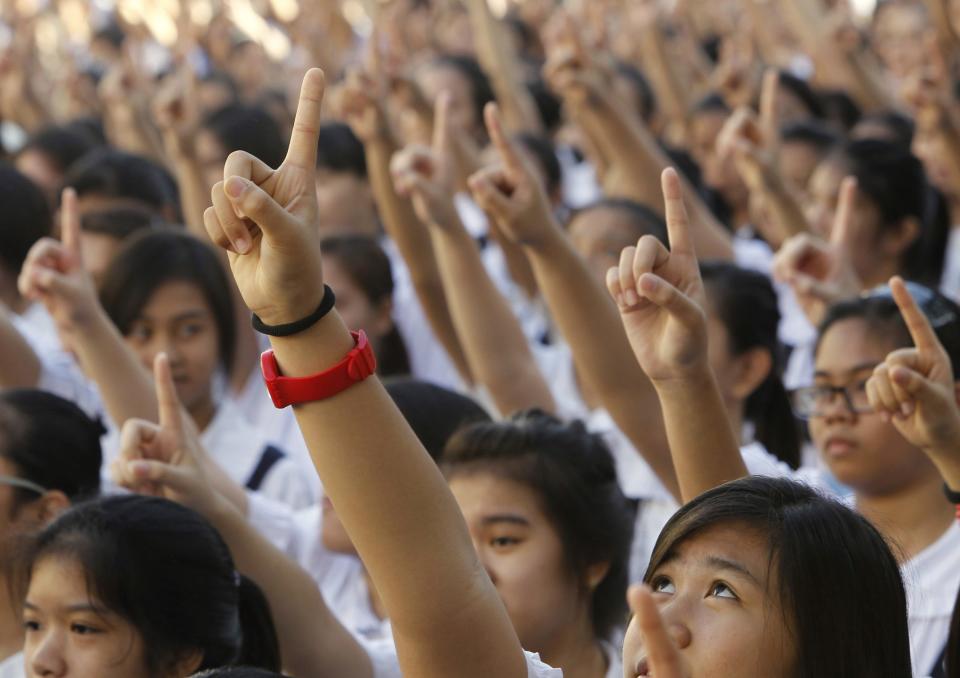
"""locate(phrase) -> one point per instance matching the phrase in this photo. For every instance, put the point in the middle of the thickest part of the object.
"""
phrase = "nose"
(836, 409)
(47, 658)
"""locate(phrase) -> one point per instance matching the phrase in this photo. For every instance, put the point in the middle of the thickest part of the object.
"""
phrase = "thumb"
(258, 205)
(172, 477)
(660, 292)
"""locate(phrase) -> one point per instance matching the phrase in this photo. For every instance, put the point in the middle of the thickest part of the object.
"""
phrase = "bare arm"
(19, 365)
(447, 618)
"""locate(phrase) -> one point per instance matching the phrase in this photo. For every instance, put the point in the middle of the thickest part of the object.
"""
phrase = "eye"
(663, 585)
(721, 590)
(83, 629)
(191, 330)
(31, 626)
(504, 542)
(139, 332)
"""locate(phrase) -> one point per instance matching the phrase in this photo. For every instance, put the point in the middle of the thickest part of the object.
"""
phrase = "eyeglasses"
(938, 309)
(12, 481)
(815, 401)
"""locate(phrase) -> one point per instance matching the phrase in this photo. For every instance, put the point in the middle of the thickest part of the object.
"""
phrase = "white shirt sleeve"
(537, 669)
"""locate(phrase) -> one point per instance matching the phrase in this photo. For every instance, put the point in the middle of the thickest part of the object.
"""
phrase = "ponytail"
(261, 647)
(774, 424)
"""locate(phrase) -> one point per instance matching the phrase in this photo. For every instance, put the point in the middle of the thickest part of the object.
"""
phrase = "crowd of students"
(531, 339)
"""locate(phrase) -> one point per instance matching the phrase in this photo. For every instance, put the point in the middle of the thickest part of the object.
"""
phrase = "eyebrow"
(510, 518)
(853, 370)
(77, 607)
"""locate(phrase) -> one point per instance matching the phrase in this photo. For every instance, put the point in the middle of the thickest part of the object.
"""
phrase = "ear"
(383, 319)
(751, 369)
(51, 505)
(895, 242)
(595, 574)
(187, 664)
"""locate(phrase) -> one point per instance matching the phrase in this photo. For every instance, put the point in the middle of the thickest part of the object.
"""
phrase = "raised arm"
(369, 122)
(54, 275)
(916, 390)
(659, 293)
(447, 618)
(578, 303)
(497, 351)
(20, 366)
(165, 459)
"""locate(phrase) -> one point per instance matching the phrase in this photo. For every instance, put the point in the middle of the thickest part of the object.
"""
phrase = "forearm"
(395, 505)
(313, 643)
(20, 366)
(590, 323)
(125, 386)
(786, 217)
(704, 447)
(194, 197)
(413, 240)
(497, 350)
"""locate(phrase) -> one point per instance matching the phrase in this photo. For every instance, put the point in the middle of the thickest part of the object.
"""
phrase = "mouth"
(839, 447)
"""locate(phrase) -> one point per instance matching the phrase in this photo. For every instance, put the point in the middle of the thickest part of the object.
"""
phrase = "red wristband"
(358, 364)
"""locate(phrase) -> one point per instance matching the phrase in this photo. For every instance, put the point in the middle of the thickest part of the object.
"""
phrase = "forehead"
(483, 493)
(852, 342)
(736, 542)
(175, 297)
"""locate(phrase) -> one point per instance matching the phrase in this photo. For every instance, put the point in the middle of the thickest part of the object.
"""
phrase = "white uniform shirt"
(13, 667)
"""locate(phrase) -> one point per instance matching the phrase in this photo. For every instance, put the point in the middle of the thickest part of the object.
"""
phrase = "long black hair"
(747, 305)
(164, 569)
(840, 588)
(573, 473)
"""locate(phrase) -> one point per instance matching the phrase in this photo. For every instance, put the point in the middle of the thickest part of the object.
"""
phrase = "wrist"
(548, 240)
(696, 377)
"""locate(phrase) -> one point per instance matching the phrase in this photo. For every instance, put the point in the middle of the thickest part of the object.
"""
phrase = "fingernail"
(907, 409)
(139, 469)
(649, 283)
(619, 300)
(631, 297)
(235, 187)
(241, 244)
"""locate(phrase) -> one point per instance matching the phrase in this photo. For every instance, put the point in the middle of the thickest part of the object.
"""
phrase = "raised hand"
(53, 274)
(656, 654)
(914, 387)
(821, 272)
(424, 174)
(510, 192)
(659, 293)
(162, 459)
(266, 219)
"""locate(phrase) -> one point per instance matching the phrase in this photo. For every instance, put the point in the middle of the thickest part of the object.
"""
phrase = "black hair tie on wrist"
(952, 495)
(289, 329)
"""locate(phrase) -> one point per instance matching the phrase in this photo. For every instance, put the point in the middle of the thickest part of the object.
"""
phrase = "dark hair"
(892, 178)
(111, 33)
(225, 80)
(899, 127)
(574, 474)
(433, 412)
(481, 91)
(800, 89)
(159, 256)
(50, 442)
(62, 145)
(240, 127)
(711, 103)
(117, 174)
(548, 104)
(26, 217)
(840, 109)
(640, 218)
(880, 313)
(120, 222)
(542, 149)
(260, 649)
(646, 99)
(158, 565)
(339, 150)
(810, 132)
(951, 660)
(365, 262)
(747, 305)
(839, 585)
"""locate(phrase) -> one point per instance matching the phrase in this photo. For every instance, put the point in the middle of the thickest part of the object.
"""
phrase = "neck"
(881, 274)
(912, 518)
(576, 651)
(735, 415)
(741, 217)
(11, 628)
(203, 412)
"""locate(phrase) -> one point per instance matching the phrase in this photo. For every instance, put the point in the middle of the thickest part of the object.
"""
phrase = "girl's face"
(435, 79)
(716, 598)
(524, 556)
(898, 32)
(178, 321)
(861, 450)
(353, 304)
(719, 172)
(70, 635)
(599, 235)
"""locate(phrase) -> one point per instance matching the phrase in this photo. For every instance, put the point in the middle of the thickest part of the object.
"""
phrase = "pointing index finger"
(302, 151)
(842, 231)
(70, 222)
(499, 138)
(924, 338)
(167, 401)
(678, 224)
